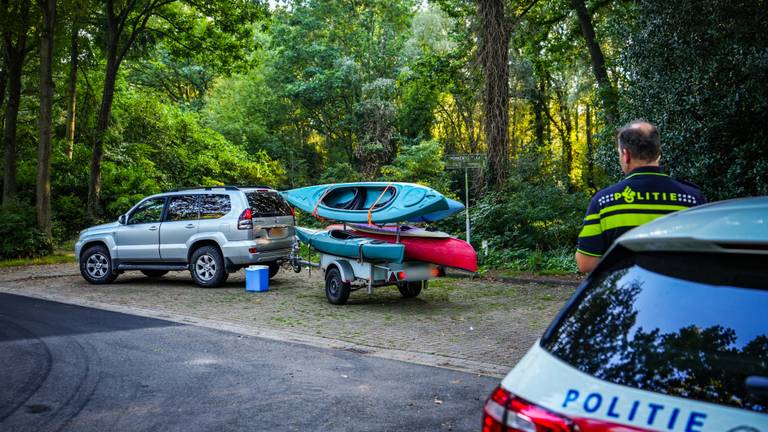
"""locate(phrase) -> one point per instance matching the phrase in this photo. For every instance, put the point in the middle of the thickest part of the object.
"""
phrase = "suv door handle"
(189, 226)
(153, 228)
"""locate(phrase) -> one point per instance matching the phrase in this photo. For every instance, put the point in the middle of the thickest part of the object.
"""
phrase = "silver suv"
(209, 231)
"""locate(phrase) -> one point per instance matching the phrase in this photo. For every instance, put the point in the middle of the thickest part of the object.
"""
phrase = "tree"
(495, 30)
(606, 90)
(700, 71)
(74, 54)
(43, 204)
(123, 24)
(16, 25)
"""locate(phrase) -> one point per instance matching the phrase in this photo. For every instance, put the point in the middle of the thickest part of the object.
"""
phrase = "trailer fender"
(347, 274)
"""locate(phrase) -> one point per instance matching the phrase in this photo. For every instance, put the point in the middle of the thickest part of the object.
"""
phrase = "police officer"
(645, 194)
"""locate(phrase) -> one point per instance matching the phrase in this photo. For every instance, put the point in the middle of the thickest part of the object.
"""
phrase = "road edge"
(434, 360)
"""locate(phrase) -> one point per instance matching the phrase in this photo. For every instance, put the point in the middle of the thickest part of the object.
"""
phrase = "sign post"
(465, 161)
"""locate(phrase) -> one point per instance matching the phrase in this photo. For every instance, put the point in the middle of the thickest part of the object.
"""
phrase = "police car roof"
(734, 226)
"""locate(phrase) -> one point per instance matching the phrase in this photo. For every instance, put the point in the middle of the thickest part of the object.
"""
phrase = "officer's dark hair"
(641, 139)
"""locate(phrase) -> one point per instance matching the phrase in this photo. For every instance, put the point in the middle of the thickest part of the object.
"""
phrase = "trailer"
(344, 275)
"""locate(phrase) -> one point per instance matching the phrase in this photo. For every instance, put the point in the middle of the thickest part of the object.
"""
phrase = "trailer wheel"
(411, 289)
(336, 290)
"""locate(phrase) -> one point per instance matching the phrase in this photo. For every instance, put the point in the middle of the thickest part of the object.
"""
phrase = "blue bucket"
(257, 278)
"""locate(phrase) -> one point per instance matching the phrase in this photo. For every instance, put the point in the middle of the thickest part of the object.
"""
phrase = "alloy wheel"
(205, 267)
(97, 266)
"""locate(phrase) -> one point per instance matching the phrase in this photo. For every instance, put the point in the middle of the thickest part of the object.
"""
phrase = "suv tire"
(96, 265)
(274, 268)
(207, 267)
(154, 273)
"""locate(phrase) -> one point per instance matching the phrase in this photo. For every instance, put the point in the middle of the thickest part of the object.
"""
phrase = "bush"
(534, 261)
(534, 213)
(19, 235)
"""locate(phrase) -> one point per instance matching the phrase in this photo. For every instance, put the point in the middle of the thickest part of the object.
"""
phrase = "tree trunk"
(15, 54)
(590, 153)
(72, 89)
(3, 82)
(538, 113)
(102, 123)
(605, 89)
(43, 201)
(494, 47)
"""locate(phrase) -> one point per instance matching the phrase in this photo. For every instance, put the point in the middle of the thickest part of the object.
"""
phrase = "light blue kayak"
(342, 243)
(364, 202)
(453, 208)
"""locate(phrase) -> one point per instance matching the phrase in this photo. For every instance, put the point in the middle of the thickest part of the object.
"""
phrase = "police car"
(668, 333)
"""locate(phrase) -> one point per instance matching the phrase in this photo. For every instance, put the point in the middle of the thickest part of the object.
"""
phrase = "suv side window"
(150, 211)
(214, 206)
(182, 208)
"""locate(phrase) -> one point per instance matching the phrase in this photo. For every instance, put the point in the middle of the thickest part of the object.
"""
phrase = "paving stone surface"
(480, 320)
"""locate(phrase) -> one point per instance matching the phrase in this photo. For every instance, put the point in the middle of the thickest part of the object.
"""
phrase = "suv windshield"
(265, 204)
(688, 325)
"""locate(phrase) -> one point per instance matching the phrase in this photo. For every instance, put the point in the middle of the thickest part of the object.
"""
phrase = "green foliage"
(700, 71)
(421, 163)
(557, 261)
(530, 212)
(19, 236)
(340, 172)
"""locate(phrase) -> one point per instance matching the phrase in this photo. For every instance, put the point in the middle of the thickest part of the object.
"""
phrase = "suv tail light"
(245, 221)
(504, 412)
(293, 214)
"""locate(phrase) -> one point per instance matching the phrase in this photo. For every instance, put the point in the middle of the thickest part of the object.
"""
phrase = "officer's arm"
(591, 244)
(586, 263)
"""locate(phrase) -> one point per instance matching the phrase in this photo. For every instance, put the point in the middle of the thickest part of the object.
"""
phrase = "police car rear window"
(687, 325)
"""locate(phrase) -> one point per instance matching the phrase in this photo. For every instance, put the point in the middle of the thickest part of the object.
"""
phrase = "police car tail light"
(504, 412)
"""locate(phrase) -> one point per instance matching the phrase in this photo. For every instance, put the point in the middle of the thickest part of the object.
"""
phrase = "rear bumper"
(240, 256)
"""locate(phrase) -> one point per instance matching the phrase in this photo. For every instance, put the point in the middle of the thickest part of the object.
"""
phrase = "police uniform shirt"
(644, 195)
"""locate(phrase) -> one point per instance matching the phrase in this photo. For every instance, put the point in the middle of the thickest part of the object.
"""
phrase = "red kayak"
(422, 245)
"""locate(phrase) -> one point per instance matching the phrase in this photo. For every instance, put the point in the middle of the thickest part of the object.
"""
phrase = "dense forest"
(105, 102)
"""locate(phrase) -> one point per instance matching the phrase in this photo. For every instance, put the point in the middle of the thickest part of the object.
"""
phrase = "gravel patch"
(476, 320)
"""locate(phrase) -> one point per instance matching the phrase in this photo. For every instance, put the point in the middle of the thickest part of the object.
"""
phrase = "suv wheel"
(154, 273)
(96, 265)
(207, 267)
(274, 267)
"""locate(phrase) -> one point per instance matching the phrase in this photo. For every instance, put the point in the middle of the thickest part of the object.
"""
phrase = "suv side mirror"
(122, 219)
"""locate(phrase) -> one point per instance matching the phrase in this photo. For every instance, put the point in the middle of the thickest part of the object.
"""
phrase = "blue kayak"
(343, 243)
(368, 202)
(453, 208)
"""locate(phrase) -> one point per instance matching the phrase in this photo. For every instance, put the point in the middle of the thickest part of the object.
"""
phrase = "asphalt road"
(70, 368)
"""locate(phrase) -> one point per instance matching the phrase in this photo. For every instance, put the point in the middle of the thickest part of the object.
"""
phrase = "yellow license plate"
(277, 232)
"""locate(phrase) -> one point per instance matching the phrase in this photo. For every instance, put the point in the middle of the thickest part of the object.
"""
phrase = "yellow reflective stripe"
(590, 230)
(592, 217)
(627, 220)
(646, 173)
(588, 253)
(662, 207)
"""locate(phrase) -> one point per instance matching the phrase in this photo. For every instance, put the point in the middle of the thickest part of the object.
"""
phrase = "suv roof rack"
(205, 188)
(254, 187)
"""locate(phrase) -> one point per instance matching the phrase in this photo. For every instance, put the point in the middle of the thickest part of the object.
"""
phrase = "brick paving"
(478, 320)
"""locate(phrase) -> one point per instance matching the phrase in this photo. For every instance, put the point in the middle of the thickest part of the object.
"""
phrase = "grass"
(56, 258)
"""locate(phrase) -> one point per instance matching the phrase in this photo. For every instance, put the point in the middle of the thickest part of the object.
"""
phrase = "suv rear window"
(264, 204)
(688, 325)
